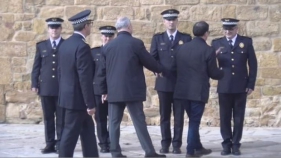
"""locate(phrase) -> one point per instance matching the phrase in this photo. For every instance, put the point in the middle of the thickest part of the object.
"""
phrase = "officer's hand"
(34, 90)
(159, 75)
(91, 111)
(249, 91)
(103, 98)
(218, 50)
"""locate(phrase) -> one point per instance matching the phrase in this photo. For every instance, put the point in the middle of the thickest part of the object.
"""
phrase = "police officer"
(76, 89)
(44, 81)
(163, 49)
(234, 53)
(107, 34)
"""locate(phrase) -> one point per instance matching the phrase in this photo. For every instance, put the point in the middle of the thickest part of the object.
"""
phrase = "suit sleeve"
(153, 48)
(212, 69)
(103, 75)
(84, 65)
(252, 62)
(36, 69)
(147, 60)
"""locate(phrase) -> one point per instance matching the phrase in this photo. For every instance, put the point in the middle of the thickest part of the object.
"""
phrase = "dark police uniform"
(100, 88)
(233, 60)
(76, 92)
(163, 50)
(44, 78)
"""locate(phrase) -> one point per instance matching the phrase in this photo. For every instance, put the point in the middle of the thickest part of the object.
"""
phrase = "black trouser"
(115, 111)
(78, 122)
(166, 105)
(194, 111)
(101, 121)
(53, 120)
(232, 104)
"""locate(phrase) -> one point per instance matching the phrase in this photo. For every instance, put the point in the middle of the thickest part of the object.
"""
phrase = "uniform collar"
(233, 39)
(174, 34)
(79, 33)
(57, 41)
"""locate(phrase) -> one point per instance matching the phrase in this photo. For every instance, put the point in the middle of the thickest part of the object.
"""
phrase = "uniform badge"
(162, 43)
(180, 42)
(241, 45)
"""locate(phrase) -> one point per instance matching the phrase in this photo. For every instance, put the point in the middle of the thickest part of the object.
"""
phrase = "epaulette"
(159, 33)
(40, 41)
(96, 47)
(215, 39)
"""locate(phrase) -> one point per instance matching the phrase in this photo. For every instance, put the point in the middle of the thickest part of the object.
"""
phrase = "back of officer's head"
(200, 28)
(123, 24)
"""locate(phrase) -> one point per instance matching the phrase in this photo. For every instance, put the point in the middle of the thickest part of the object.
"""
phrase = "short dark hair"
(200, 28)
(80, 26)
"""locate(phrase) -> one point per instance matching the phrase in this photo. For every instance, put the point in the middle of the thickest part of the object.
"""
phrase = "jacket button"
(233, 66)
(232, 59)
(53, 69)
(233, 73)
(221, 68)
(172, 49)
(53, 76)
(54, 62)
(232, 52)
(172, 56)
(54, 55)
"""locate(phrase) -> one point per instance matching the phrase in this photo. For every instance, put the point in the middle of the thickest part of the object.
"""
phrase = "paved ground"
(27, 140)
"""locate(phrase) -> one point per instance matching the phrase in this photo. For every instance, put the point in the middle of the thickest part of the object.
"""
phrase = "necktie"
(54, 45)
(172, 39)
(230, 43)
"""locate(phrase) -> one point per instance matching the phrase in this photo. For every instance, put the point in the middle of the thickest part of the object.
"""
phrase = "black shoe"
(164, 150)
(155, 155)
(236, 151)
(48, 149)
(226, 151)
(177, 151)
(104, 150)
(203, 151)
(119, 155)
(192, 155)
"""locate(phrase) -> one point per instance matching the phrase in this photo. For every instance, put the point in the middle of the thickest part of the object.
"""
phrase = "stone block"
(15, 6)
(206, 13)
(20, 97)
(150, 81)
(36, 2)
(27, 25)
(5, 33)
(150, 2)
(22, 86)
(274, 73)
(133, 3)
(256, 94)
(268, 1)
(253, 103)
(277, 45)
(92, 2)
(17, 26)
(275, 13)
(141, 14)
(154, 100)
(57, 11)
(260, 82)
(271, 90)
(112, 13)
(18, 61)
(143, 29)
(216, 1)
(72, 10)
(252, 12)
(151, 112)
(7, 19)
(262, 44)
(60, 2)
(24, 36)
(17, 77)
(267, 59)
(2, 93)
(39, 26)
(19, 69)
(185, 26)
(2, 113)
(184, 12)
(262, 28)
(24, 17)
(5, 69)
(155, 12)
(272, 82)
(229, 11)
(182, 2)
(3, 6)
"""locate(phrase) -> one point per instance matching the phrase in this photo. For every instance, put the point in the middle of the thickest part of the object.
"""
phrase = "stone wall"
(22, 24)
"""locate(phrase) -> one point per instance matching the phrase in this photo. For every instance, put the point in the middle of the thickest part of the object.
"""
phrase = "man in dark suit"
(44, 81)
(163, 49)
(125, 58)
(195, 64)
(76, 95)
(107, 34)
(234, 53)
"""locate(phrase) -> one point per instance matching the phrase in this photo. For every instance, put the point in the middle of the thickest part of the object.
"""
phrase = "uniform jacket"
(99, 65)
(44, 75)
(196, 64)
(125, 58)
(234, 63)
(76, 74)
(164, 51)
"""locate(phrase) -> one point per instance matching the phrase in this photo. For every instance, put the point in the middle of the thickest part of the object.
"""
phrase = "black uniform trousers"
(115, 111)
(232, 104)
(101, 121)
(78, 122)
(166, 104)
(53, 120)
